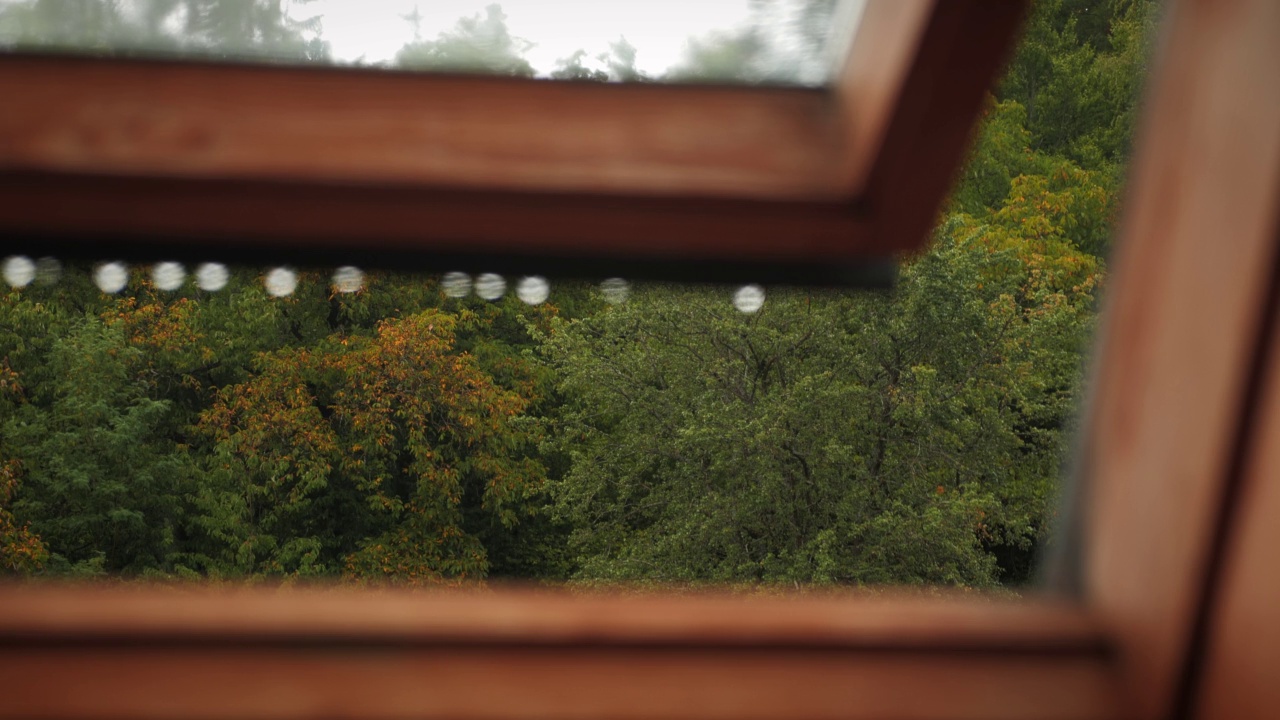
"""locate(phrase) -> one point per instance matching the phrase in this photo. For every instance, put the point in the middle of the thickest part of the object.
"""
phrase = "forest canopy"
(405, 433)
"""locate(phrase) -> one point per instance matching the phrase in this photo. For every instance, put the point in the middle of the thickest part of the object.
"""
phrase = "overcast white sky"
(658, 29)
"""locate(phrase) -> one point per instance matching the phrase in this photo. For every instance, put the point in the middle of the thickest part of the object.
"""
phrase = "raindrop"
(490, 286)
(281, 282)
(48, 271)
(348, 279)
(168, 276)
(616, 291)
(111, 277)
(749, 298)
(533, 290)
(212, 276)
(456, 284)
(19, 271)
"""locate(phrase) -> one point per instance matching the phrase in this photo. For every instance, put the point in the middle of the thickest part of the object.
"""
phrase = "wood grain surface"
(159, 652)
(1184, 324)
(182, 119)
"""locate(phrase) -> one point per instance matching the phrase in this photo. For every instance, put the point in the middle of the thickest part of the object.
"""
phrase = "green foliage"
(480, 43)
(220, 28)
(104, 481)
(228, 434)
(1079, 72)
(805, 442)
(359, 454)
(21, 551)
(394, 435)
(783, 42)
(616, 65)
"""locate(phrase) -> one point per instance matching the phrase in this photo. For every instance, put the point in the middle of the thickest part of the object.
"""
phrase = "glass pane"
(748, 41)
(352, 425)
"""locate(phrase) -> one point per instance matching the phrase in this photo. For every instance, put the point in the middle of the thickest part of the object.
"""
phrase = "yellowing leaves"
(21, 550)
(402, 417)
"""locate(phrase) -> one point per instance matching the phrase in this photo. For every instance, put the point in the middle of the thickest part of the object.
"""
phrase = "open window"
(822, 184)
(143, 159)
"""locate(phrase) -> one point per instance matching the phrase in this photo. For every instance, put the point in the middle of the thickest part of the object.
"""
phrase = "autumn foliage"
(401, 435)
(20, 549)
(395, 434)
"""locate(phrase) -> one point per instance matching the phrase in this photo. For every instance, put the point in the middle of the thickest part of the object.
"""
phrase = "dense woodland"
(400, 435)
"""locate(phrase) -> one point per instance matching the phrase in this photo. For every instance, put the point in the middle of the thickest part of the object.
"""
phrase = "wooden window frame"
(389, 167)
(1164, 588)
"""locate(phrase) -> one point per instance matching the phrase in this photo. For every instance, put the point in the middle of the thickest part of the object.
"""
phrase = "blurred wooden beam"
(1185, 326)
(1240, 650)
(908, 145)
(642, 171)
(200, 120)
(67, 652)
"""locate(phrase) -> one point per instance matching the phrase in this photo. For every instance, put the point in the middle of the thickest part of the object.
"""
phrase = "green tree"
(362, 455)
(21, 550)
(481, 43)
(1079, 72)
(782, 42)
(398, 435)
(247, 28)
(104, 481)
(221, 28)
(829, 438)
(618, 64)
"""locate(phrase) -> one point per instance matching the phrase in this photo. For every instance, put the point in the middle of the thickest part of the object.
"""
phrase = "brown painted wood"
(156, 653)
(963, 46)
(298, 219)
(305, 159)
(1242, 656)
(432, 163)
(873, 77)
(845, 620)
(1183, 326)
(179, 119)
(541, 683)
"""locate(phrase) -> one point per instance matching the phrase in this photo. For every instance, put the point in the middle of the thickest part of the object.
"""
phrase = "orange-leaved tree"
(21, 550)
(378, 457)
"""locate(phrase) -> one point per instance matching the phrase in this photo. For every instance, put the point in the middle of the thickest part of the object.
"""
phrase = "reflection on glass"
(490, 286)
(749, 299)
(19, 271)
(615, 290)
(111, 277)
(456, 284)
(281, 282)
(48, 271)
(753, 41)
(533, 290)
(168, 275)
(212, 276)
(348, 279)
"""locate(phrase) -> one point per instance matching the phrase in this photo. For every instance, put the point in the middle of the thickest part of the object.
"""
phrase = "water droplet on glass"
(281, 282)
(616, 291)
(490, 286)
(48, 271)
(533, 290)
(19, 271)
(212, 276)
(111, 277)
(348, 279)
(168, 276)
(749, 298)
(456, 284)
